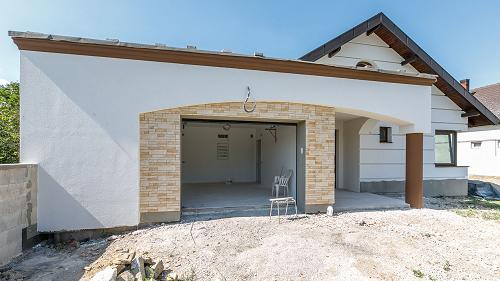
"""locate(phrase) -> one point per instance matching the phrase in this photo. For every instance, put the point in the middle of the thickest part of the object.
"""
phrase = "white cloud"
(3, 82)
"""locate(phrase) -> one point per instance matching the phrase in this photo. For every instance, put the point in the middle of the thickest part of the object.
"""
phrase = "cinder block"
(11, 235)
(8, 252)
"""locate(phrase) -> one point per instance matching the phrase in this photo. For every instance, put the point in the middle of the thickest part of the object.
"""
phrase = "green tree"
(9, 123)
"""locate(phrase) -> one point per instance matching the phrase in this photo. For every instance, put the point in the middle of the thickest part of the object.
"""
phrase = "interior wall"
(278, 155)
(199, 154)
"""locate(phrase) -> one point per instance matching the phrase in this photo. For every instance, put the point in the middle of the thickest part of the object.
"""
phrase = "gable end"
(393, 36)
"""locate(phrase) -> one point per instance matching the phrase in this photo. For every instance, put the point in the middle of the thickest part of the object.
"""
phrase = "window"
(385, 134)
(222, 151)
(475, 144)
(445, 148)
(364, 64)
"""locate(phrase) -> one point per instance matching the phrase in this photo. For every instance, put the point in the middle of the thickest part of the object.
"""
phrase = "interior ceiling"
(234, 124)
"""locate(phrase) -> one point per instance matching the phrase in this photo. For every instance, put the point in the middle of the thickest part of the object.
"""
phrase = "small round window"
(364, 64)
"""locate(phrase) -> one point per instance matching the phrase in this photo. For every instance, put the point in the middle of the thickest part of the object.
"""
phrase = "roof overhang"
(412, 54)
(114, 49)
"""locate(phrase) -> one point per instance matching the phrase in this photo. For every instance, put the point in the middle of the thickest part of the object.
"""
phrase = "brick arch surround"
(160, 146)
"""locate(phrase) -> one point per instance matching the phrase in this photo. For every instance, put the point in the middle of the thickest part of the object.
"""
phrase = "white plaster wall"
(368, 48)
(484, 160)
(279, 155)
(386, 161)
(79, 122)
(351, 154)
(199, 155)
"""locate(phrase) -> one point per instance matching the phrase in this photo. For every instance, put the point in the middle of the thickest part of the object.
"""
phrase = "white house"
(479, 147)
(130, 133)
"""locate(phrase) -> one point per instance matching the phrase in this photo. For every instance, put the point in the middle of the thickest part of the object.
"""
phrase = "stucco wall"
(483, 160)
(80, 122)
(18, 208)
(368, 48)
(351, 154)
(385, 162)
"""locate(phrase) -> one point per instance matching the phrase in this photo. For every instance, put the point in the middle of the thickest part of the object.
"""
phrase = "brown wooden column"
(414, 187)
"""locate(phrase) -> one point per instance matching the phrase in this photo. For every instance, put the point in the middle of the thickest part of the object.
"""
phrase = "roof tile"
(490, 96)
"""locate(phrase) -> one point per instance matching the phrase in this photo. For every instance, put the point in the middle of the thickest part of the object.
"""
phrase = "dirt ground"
(435, 243)
(492, 179)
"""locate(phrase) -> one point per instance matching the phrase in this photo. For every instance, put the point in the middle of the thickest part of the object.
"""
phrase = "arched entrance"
(160, 152)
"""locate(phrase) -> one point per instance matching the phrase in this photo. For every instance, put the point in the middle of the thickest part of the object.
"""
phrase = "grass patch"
(447, 266)
(484, 203)
(418, 273)
(480, 208)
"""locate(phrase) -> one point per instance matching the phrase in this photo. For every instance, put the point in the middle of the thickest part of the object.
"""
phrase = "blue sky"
(463, 36)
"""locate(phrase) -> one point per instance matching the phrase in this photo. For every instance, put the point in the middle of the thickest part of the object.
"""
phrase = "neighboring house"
(126, 133)
(479, 147)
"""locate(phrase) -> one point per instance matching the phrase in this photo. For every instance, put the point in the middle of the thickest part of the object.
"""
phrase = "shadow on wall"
(57, 209)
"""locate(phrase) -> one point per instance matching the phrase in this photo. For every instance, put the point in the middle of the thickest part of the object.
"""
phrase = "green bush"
(9, 123)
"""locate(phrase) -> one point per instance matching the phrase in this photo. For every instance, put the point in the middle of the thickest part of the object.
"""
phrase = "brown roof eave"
(204, 58)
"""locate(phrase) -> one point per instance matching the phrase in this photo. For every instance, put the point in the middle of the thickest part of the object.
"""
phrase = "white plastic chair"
(278, 202)
(283, 183)
(275, 182)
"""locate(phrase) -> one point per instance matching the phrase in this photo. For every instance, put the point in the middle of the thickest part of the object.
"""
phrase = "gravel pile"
(425, 244)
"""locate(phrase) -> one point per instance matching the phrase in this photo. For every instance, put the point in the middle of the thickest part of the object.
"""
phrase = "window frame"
(388, 134)
(453, 162)
(364, 64)
(473, 144)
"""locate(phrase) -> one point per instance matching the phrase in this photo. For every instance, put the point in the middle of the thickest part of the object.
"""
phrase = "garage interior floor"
(197, 196)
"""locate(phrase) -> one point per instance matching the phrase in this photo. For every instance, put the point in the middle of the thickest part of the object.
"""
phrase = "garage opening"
(232, 164)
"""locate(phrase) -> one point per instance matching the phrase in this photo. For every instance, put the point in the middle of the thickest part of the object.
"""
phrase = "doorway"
(232, 164)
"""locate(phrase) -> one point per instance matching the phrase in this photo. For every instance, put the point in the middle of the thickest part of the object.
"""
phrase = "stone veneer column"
(160, 160)
(320, 158)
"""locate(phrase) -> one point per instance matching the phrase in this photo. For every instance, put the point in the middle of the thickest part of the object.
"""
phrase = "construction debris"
(125, 276)
(129, 266)
(108, 274)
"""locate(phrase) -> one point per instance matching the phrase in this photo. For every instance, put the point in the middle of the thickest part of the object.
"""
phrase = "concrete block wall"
(18, 216)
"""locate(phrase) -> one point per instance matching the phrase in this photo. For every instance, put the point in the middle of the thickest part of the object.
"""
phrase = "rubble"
(137, 268)
(108, 274)
(172, 276)
(131, 266)
(157, 268)
(125, 276)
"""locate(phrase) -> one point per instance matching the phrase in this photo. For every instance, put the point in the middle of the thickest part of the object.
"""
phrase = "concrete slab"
(363, 201)
(220, 195)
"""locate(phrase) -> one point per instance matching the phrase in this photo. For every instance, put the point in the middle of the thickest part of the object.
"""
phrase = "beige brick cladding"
(160, 141)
